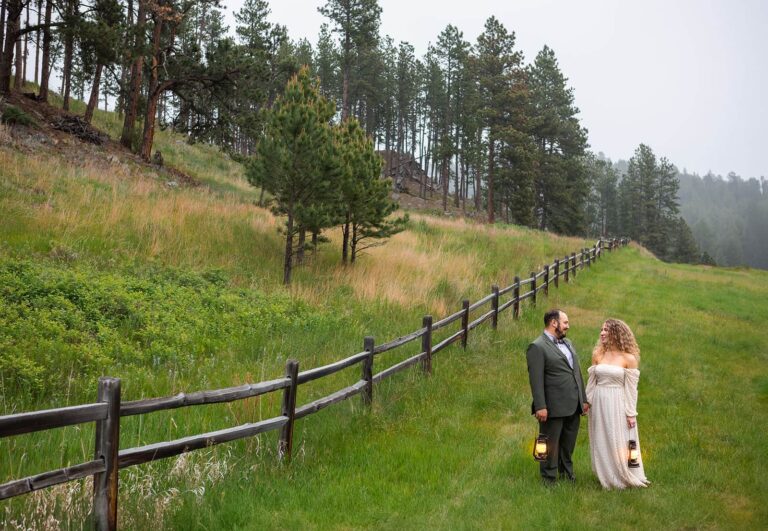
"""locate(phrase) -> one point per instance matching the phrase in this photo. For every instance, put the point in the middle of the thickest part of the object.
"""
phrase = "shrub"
(66, 320)
(13, 115)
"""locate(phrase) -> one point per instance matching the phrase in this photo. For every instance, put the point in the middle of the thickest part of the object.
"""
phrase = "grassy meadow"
(109, 269)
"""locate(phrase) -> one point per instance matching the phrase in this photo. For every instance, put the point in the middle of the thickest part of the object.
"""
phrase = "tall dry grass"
(124, 212)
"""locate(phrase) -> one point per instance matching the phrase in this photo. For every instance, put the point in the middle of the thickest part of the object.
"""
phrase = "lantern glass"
(540, 448)
(633, 460)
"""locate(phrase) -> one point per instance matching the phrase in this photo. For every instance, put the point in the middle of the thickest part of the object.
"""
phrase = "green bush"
(13, 115)
(61, 327)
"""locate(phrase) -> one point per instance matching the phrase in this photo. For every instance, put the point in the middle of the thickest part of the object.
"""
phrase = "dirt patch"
(48, 135)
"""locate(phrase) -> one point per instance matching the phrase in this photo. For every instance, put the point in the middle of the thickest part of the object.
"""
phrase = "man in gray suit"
(558, 394)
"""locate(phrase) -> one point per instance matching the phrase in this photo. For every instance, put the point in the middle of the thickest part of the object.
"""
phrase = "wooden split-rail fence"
(108, 409)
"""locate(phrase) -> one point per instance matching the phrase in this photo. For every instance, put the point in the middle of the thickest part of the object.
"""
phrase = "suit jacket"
(554, 385)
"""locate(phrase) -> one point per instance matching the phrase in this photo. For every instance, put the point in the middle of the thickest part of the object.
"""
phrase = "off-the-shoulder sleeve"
(631, 379)
(591, 383)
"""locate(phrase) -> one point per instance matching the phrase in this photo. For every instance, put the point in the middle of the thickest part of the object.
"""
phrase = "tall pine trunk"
(154, 92)
(2, 26)
(93, 101)
(445, 170)
(491, 168)
(132, 105)
(45, 73)
(12, 16)
(19, 79)
(345, 83)
(26, 47)
(288, 255)
(345, 241)
(69, 50)
(478, 175)
(37, 40)
(125, 65)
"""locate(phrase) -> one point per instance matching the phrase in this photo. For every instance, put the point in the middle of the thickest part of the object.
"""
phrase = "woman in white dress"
(612, 396)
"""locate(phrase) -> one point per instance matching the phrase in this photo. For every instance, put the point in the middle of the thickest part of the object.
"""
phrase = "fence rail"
(108, 410)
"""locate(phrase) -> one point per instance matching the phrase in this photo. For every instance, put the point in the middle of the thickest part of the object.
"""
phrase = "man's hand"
(631, 422)
(585, 408)
(541, 415)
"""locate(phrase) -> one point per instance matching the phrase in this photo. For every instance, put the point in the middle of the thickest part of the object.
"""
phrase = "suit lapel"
(555, 350)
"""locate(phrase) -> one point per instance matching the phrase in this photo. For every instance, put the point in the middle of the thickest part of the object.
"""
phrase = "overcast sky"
(687, 77)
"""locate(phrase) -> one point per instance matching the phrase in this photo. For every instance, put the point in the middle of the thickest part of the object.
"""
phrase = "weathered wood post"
(107, 447)
(573, 265)
(516, 298)
(465, 323)
(426, 345)
(581, 258)
(533, 287)
(285, 444)
(557, 273)
(495, 307)
(567, 263)
(546, 280)
(368, 345)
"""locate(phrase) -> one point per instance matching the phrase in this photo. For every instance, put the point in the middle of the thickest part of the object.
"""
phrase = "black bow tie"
(559, 342)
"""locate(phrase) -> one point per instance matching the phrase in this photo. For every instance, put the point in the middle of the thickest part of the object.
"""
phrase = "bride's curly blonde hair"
(620, 339)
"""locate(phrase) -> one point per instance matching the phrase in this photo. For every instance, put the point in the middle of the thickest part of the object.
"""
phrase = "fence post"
(426, 345)
(573, 265)
(285, 445)
(546, 280)
(107, 447)
(516, 295)
(368, 371)
(533, 287)
(583, 252)
(557, 273)
(495, 307)
(567, 262)
(465, 323)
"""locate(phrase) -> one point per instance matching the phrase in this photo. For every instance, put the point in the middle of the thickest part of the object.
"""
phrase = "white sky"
(686, 77)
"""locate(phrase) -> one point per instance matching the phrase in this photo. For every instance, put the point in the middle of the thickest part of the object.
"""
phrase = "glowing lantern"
(633, 460)
(540, 448)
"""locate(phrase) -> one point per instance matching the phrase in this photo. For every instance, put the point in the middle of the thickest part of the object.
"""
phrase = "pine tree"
(293, 158)
(560, 182)
(365, 197)
(498, 67)
(357, 23)
(684, 247)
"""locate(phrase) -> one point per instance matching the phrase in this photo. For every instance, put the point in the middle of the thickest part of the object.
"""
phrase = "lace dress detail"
(612, 395)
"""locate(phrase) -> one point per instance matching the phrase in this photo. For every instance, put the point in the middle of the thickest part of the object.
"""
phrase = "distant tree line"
(639, 199)
(497, 136)
(728, 217)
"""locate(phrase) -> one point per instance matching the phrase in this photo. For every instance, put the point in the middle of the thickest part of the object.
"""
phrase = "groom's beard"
(559, 332)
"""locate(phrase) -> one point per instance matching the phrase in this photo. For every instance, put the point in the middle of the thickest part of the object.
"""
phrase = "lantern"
(540, 448)
(633, 458)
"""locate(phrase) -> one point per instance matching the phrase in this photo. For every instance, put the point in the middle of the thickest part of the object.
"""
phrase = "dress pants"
(561, 433)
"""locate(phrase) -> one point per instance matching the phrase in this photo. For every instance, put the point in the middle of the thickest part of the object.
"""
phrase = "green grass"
(453, 450)
(108, 271)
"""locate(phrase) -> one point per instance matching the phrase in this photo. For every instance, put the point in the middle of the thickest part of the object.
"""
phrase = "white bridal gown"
(612, 396)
